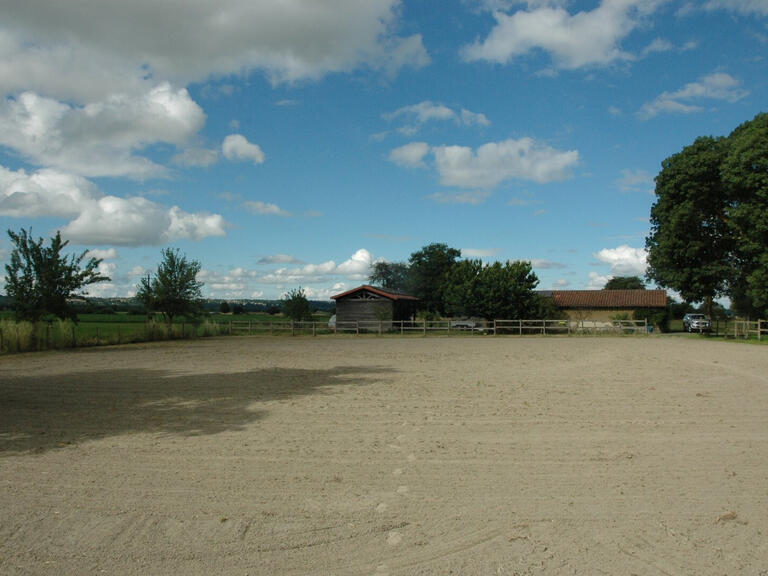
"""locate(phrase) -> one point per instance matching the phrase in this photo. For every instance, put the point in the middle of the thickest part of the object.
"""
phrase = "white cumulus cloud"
(489, 165)
(100, 138)
(237, 148)
(624, 260)
(410, 155)
(496, 162)
(686, 100)
(97, 218)
(101, 46)
(587, 38)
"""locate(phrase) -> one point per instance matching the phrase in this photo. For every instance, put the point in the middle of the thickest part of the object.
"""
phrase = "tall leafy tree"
(492, 291)
(463, 291)
(40, 279)
(174, 290)
(296, 306)
(745, 176)
(508, 290)
(625, 283)
(391, 276)
(690, 245)
(429, 269)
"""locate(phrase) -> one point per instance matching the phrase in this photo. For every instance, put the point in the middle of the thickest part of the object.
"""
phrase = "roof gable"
(394, 296)
(610, 298)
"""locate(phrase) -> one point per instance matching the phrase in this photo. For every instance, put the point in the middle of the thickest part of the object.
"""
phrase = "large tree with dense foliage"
(625, 283)
(690, 246)
(40, 279)
(174, 289)
(429, 268)
(492, 291)
(393, 276)
(745, 177)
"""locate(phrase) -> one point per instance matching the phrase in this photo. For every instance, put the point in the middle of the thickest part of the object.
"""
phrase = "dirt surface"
(377, 456)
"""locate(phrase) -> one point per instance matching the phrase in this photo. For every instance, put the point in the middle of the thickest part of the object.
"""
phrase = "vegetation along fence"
(24, 336)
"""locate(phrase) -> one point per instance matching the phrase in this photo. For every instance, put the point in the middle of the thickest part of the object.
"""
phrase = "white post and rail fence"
(21, 337)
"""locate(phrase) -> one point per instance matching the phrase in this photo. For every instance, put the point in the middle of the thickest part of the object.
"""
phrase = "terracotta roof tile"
(379, 291)
(610, 298)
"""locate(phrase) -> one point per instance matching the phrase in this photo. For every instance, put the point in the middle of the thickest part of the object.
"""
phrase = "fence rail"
(22, 337)
(745, 329)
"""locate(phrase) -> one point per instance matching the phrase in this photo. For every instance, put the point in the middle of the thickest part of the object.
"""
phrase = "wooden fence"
(745, 329)
(425, 327)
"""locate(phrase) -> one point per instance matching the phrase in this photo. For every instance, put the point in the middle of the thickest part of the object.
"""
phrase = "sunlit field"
(508, 455)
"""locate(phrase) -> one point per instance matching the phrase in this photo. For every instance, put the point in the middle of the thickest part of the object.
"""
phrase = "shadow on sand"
(44, 413)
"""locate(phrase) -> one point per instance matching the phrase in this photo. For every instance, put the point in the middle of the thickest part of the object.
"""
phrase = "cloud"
(497, 162)
(572, 41)
(357, 268)
(715, 86)
(546, 264)
(235, 147)
(196, 156)
(745, 7)
(489, 165)
(597, 281)
(108, 254)
(656, 46)
(100, 138)
(411, 155)
(98, 218)
(265, 208)
(428, 111)
(49, 47)
(635, 181)
(624, 260)
(478, 252)
(278, 259)
(44, 193)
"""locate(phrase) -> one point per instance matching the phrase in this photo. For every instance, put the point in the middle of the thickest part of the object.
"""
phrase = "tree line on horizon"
(448, 286)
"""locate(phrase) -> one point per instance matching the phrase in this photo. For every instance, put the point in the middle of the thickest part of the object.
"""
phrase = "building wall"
(598, 315)
(353, 310)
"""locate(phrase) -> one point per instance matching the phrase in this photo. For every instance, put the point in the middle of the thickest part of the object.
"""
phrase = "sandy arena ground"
(377, 456)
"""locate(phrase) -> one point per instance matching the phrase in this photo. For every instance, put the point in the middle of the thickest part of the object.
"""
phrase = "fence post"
(425, 326)
(357, 327)
(249, 327)
(74, 341)
(313, 328)
(119, 341)
(759, 330)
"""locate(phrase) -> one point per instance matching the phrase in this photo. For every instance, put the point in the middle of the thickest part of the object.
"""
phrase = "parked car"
(468, 324)
(696, 323)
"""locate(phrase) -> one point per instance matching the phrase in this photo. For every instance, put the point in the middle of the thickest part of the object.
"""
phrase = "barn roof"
(609, 298)
(379, 291)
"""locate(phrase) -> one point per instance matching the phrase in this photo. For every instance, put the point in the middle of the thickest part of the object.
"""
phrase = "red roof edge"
(379, 291)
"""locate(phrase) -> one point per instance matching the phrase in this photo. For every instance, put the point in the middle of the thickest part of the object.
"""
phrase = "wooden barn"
(370, 304)
(603, 305)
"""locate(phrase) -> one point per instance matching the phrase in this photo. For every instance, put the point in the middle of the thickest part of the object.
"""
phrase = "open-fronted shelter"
(370, 304)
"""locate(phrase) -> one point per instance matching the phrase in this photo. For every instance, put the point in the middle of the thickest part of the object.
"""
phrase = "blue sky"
(287, 144)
